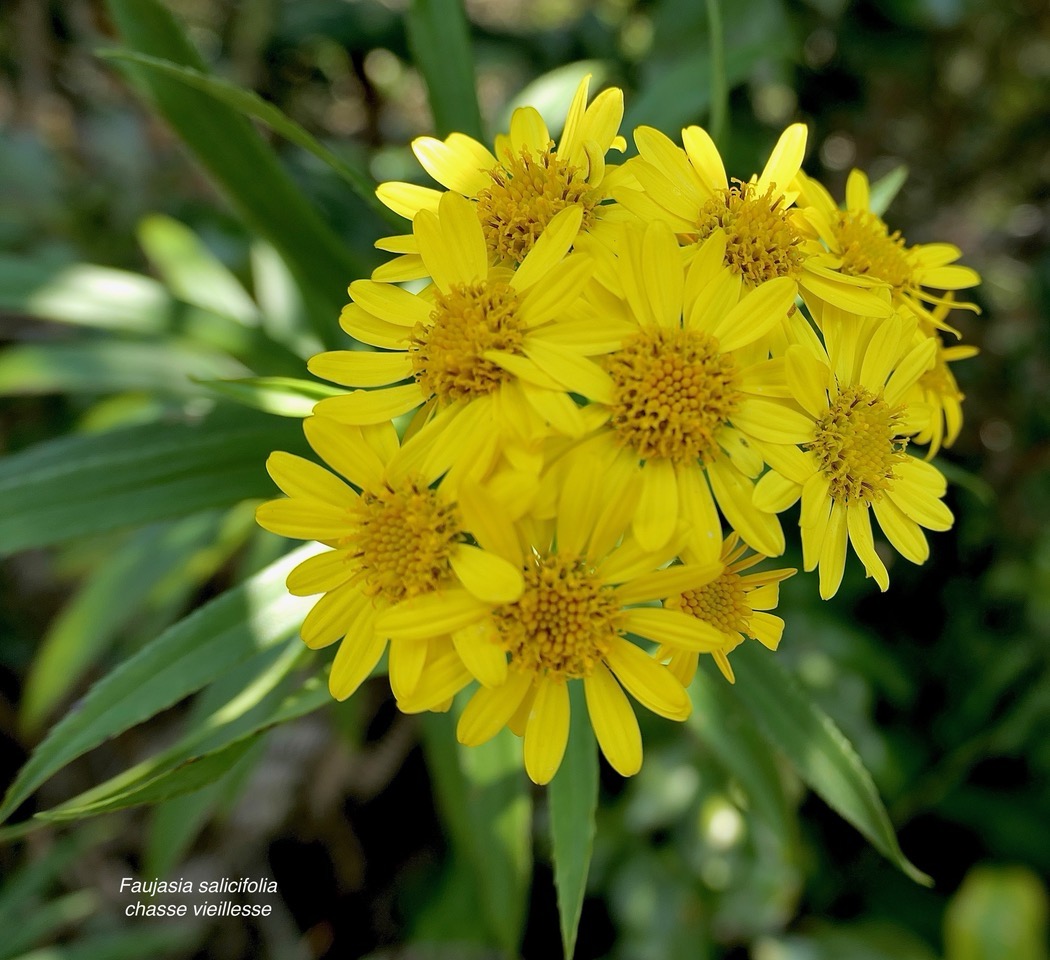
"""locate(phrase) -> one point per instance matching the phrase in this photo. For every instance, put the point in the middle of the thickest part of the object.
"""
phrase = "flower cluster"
(582, 394)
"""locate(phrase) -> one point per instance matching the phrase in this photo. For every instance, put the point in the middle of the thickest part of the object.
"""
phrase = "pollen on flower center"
(761, 241)
(673, 391)
(721, 603)
(857, 445)
(448, 353)
(404, 540)
(868, 249)
(564, 622)
(527, 191)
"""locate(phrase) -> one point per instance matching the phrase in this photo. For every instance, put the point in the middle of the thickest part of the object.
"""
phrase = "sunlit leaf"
(885, 189)
(243, 621)
(283, 396)
(816, 748)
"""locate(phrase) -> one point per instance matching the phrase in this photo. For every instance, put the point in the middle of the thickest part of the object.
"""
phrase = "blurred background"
(942, 684)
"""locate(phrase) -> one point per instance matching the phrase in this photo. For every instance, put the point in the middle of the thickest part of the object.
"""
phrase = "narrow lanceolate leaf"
(728, 732)
(252, 617)
(485, 803)
(111, 366)
(816, 748)
(282, 396)
(252, 105)
(885, 189)
(573, 798)
(239, 160)
(85, 295)
(439, 36)
(79, 485)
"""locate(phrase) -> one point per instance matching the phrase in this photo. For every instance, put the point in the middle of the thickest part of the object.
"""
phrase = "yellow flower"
(853, 458)
(865, 249)
(467, 341)
(735, 603)
(518, 191)
(687, 393)
(765, 237)
(394, 537)
(583, 583)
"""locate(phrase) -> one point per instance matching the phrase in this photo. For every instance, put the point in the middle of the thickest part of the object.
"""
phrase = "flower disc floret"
(868, 249)
(527, 191)
(404, 540)
(721, 603)
(761, 241)
(673, 391)
(448, 353)
(857, 445)
(564, 622)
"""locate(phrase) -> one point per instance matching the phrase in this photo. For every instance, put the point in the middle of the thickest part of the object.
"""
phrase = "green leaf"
(111, 366)
(439, 36)
(551, 92)
(85, 295)
(111, 595)
(192, 272)
(141, 942)
(255, 696)
(281, 302)
(79, 485)
(573, 798)
(816, 748)
(240, 162)
(47, 919)
(252, 105)
(282, 396)
(730, 734)
(485, 803)
(885, 189)
(231, 628)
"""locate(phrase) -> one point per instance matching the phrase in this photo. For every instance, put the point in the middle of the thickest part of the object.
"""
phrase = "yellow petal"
(674, 628)
(442, 678)
(363, 407)
(560, 289)
(491, 709)
(486, 575)
(553, 243)
(858, 523)
(528, 131)
(547, 731)
(406, 661)
(734, 493)
(320, 573)
(304, 479)
(669, 582)
(459, 163)
(766, 629)
(360, 368)
(705, 158)
(574, 372)
(785, 160)
(901, 531)
(774, 493)
(858, 195)
(756, 314)
(431, 615)
(333, 616)
(615, 725)
(357, 655)
(345, 449)
(697, 508)
(361, 325)
(407, 199)
(391, 303)
(649, 682)
(305, 519)
(773, 421)
(657, 515)
(833, 552)
(482, 654)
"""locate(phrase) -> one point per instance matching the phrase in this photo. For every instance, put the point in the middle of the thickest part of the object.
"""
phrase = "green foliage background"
(145, 263)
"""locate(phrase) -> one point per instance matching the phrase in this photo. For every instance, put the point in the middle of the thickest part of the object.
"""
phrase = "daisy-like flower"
(687, 393)
(393, 535)
(465, 342)
(852, 458)
(865, 249)
(516, 192)
(583, 583)
(734, 602)
(938, 389)
(766, 237)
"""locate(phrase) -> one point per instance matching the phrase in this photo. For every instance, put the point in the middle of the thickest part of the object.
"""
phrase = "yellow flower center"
(404, 540)
(721, 603)
(448, 354)
(857, 444)
(564, 622)
(673, 391)
(868, 249)
(527, 191)
(761, 241)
